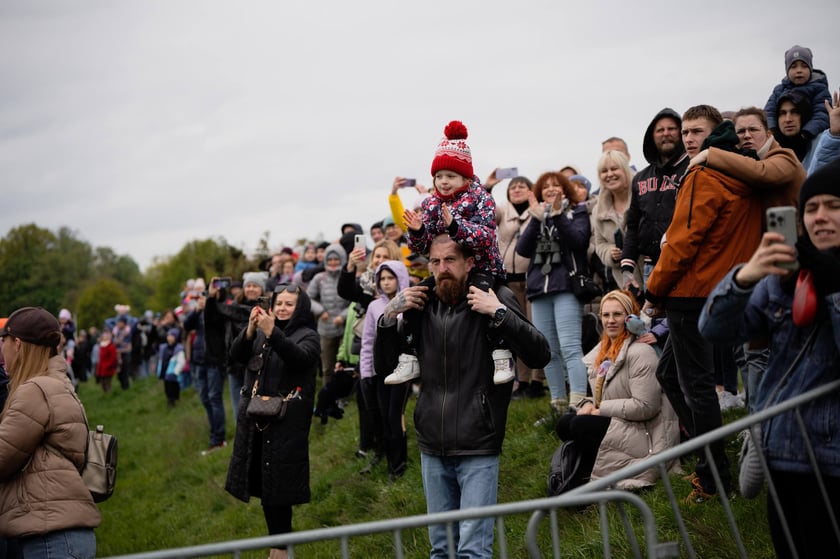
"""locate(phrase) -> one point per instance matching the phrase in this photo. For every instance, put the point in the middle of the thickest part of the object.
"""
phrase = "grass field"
(169, 495)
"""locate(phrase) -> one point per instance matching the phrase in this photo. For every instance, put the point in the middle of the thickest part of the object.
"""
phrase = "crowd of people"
(471, 306)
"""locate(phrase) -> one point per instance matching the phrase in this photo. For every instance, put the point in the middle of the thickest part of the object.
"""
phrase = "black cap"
(33, 325)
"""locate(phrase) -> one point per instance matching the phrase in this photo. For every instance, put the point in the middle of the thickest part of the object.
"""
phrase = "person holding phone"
(460, 207)
(224, 319)
(280, 350)
(759, 299)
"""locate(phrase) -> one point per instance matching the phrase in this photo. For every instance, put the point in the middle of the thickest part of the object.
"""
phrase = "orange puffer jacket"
(716, 224)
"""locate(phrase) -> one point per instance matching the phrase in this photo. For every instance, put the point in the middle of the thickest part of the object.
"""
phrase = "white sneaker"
(503, 360)
(407, 369)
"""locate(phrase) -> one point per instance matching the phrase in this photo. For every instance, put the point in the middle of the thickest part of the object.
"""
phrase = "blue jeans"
(236, 382)
(456, 483)
(209, 382)
(558, 316)
(647, 270)
(78, 543)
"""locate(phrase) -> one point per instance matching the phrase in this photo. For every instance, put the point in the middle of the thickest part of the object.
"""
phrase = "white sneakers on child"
(407, 369)
(503, 361)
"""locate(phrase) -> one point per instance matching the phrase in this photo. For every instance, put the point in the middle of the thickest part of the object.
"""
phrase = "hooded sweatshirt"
(323, 290)
(375, 310)
(652, 199)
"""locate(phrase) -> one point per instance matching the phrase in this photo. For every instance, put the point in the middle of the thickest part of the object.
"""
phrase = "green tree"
(123, 269)
(204, 259)
(41, 268)
(96, 302)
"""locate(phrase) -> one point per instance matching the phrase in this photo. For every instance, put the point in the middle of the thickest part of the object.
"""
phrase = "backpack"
(100, 471)
(563, 472)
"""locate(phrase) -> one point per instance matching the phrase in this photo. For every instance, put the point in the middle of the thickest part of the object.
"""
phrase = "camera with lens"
(548, 251)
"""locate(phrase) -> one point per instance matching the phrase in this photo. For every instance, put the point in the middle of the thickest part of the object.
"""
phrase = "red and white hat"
(453, 152)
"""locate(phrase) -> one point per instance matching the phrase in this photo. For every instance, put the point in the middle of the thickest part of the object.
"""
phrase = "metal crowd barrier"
(598, 492)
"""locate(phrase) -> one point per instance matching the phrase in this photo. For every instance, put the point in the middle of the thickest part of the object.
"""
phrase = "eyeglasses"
(753, 130)
(288, 288)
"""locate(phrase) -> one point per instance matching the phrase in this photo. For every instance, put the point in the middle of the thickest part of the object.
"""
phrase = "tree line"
(57, 269)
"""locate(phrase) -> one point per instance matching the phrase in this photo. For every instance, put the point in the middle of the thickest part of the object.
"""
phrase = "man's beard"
(449, 290)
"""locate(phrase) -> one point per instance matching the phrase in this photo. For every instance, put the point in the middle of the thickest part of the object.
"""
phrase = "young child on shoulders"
(462, 208)
(801, 76)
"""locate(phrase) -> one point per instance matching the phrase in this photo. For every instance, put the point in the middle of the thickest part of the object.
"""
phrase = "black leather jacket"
(460, 412)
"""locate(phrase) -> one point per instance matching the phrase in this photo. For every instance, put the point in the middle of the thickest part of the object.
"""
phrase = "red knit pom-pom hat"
(453, 152)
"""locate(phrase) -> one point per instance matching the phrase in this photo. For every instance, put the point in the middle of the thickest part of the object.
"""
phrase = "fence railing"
(598, 492)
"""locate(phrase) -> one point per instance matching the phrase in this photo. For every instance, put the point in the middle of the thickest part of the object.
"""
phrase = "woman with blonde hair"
(608, 225)
(43, 438)
(627, 418)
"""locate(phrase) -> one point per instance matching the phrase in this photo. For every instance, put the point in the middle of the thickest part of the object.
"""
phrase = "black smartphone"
(264, 303)
(619, 239)
(222, 283)
(408, 182)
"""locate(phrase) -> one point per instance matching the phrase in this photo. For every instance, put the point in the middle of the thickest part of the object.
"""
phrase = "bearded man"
(461, 414)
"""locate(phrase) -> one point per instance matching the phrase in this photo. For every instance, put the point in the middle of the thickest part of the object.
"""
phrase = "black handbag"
(583, 286)
(261, 406)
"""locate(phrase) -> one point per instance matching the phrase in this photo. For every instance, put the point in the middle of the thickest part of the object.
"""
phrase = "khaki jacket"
(605, 220)
(642, 421)
(776, 177)
(41, 490)
(509, 227)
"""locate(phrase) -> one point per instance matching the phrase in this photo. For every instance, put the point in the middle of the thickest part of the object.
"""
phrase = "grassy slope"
(168, 495)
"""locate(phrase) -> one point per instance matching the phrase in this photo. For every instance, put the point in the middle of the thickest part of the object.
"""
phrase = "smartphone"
(222, 283)
(264, 303)
(408, 182)
(360, 242)
(619, 239)
(507, 173)
(782, 220)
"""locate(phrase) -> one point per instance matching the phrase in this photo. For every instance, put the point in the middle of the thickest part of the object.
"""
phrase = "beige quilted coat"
(41, 490)
(642, 420)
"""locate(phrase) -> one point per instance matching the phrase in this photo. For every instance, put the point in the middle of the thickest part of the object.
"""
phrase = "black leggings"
(278, 519)
(587, 431)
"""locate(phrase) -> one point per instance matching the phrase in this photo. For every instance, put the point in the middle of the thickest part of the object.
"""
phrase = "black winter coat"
(272, 461)
(459, 411)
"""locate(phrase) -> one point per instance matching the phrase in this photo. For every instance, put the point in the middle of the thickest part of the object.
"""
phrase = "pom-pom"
(455, 130)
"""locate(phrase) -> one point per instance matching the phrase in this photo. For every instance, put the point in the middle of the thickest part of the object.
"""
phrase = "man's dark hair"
(465, 250)
(377, 225)
(754, 111)
(801, 104)
(703, 111)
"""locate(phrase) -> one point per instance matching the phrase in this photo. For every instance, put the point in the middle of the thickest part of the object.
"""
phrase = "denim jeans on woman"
(210, 382)
(558, 316)
(457, 483)
(79, 543)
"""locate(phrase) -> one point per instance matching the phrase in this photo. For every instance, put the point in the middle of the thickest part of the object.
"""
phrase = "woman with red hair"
(627, 418)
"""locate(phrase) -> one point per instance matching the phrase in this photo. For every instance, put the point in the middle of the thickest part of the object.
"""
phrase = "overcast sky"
(143, 125)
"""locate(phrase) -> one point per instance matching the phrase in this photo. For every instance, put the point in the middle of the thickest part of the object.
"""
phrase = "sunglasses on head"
(288, 287)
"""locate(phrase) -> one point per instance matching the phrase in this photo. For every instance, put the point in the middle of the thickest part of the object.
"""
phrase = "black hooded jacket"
(653, 196)
(281, 445)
